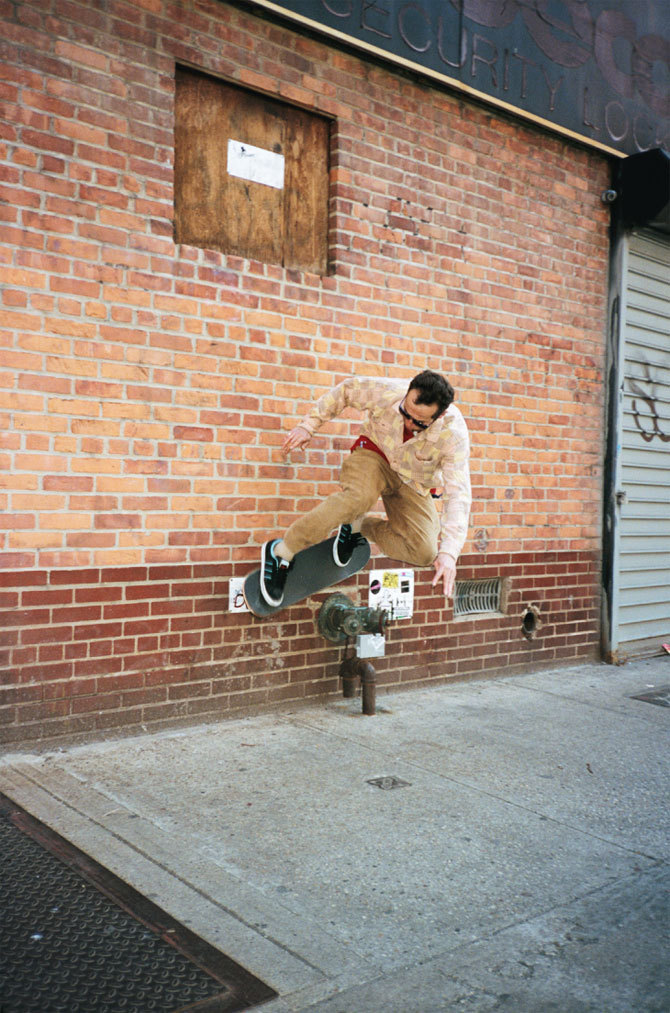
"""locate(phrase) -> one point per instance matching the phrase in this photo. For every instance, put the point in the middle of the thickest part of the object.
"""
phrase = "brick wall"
(146, 387)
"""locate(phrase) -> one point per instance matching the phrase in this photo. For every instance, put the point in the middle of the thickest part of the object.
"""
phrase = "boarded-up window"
(251, 174)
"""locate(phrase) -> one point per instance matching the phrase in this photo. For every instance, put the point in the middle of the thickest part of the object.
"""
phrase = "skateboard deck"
(314, 570)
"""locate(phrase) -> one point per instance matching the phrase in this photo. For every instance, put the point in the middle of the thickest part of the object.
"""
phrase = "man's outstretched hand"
(297, 439)
(445, 571)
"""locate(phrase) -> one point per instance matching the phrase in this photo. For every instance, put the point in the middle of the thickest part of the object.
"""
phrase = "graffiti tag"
(648, 422)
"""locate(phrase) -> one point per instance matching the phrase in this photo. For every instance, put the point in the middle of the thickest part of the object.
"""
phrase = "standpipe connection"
(340, 620)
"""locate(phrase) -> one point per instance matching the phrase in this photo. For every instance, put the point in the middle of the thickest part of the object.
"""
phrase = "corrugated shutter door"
(643, 610)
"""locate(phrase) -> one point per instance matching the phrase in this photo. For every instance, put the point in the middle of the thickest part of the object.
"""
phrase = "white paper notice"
(255, 164)
(393, 591)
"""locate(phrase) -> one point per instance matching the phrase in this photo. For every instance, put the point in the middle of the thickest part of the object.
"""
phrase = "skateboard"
(314, 569)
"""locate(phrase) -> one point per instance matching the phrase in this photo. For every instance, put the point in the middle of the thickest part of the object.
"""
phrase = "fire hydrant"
(339, 621)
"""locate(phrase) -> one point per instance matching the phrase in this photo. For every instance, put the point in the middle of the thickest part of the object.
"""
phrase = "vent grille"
(476, 596)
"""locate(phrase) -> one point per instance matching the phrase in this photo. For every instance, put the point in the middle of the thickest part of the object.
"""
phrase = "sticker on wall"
(392, 590)
(236, 602)
(255, 164)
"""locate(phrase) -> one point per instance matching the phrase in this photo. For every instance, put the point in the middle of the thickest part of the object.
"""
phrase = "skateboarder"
(413, 442)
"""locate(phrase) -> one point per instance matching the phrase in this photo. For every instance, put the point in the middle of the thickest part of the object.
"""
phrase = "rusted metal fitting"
(339, 619)
(530, 622)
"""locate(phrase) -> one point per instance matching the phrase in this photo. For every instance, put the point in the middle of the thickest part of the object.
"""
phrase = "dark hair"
(433, 389)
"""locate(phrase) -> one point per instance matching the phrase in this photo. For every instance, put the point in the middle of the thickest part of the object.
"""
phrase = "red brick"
(46, 596)
(122, 575)
(95, 703)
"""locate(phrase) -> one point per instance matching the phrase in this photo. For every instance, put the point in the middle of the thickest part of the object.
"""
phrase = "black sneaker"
(274, 571)
(345, 543)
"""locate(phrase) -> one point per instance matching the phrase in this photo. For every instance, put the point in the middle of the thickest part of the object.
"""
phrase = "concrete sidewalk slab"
(532, 833)
(583, 957)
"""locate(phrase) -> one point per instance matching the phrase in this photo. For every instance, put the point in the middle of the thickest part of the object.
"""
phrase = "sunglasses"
(419, 425)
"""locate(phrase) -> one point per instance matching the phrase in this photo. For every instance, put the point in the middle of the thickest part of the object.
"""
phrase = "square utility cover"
(660, 695)
(388, 782)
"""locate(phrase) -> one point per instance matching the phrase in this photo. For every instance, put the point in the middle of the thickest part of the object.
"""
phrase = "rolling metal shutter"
(641, 615)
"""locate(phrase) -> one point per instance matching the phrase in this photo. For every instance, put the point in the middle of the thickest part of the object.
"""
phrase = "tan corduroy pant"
(411, 531)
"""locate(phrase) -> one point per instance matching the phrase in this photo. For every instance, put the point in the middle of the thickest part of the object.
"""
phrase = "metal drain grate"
(660, 696)
(475, 596)
(66, 947)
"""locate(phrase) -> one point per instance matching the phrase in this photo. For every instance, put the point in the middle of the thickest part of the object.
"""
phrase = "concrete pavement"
(523, 865)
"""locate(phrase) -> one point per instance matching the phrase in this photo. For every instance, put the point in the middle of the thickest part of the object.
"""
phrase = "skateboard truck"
(340, 619)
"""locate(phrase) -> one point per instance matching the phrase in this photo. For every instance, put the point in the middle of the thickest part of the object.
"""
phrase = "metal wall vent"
(475, 596)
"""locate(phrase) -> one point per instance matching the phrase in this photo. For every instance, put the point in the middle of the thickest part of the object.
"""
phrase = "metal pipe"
(349, 675)
(368, 678)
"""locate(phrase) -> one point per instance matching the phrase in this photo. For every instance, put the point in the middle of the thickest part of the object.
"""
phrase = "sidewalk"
(522, 867)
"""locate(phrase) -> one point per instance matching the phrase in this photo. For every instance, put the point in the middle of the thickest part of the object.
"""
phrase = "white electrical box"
(393, 591)
(370, 645)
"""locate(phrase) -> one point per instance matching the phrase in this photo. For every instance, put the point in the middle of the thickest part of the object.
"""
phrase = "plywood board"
(254, 211)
